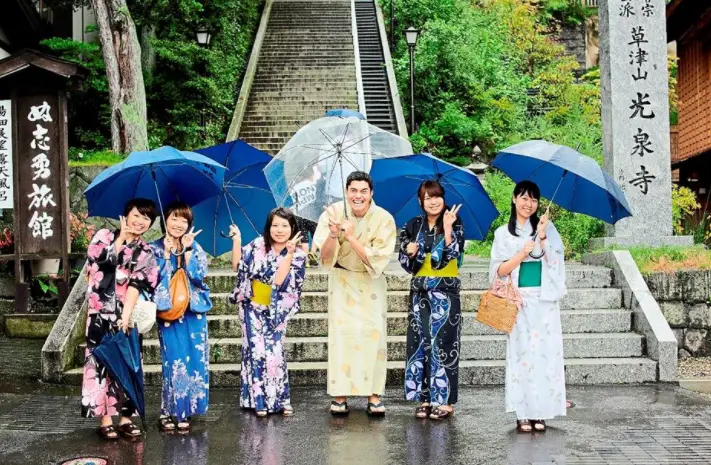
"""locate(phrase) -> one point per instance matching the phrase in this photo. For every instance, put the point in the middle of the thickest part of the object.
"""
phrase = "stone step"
(317, 302)
(297, 100)
(305, 61)
(473, 277)
(280, 135)
(316, 324)
(315, 349)
(306, 77)
(324, 87)
(633, 370)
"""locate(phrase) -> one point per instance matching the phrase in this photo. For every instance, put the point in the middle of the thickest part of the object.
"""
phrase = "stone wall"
(574, 40)
(684, 299)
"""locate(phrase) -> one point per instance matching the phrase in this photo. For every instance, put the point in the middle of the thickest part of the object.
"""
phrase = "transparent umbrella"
(310, 172)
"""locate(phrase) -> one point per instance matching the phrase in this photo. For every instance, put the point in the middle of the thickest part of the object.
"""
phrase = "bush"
(187, 80)
(89, 111)
(684, 205)
(476, 61)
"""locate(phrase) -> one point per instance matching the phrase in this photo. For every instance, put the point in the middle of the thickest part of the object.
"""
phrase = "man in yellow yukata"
(357, 241)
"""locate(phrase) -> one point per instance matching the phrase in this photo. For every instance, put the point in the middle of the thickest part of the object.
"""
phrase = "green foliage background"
(187, 78)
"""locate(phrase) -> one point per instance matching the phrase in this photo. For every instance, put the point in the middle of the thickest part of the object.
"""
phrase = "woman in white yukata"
(535, 376)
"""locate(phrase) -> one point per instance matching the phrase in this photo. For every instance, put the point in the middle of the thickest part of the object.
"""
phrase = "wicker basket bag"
(500, 305)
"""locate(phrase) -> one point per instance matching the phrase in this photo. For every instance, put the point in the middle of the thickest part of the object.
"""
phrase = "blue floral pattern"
(184, 343)
(434, 317)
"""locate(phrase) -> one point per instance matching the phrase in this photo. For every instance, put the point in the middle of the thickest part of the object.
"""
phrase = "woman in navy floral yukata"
(270, 276)
(431, 247)
(121, 267)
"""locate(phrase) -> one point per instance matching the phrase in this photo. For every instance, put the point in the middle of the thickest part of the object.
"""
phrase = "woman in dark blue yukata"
(183, 342)
(431, 248)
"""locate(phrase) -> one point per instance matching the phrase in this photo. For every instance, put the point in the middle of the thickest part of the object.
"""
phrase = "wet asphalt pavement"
(645, 425)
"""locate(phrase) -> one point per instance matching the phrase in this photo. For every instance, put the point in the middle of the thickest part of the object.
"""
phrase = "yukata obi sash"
(261, 293)
(449, 271)
(529, 274)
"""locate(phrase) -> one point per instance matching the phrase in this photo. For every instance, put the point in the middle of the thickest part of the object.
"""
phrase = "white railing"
(590, 3)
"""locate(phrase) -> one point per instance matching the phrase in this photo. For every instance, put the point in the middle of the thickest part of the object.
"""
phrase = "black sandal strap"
(130, 429)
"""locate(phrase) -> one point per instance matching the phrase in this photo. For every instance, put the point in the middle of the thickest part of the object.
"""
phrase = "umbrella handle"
(226, 235)
(160, 204)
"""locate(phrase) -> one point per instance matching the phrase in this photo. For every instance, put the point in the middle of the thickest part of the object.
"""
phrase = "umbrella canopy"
(120, 353)
(309, 173)
(345, 113)
(245, 198)
(162, 175)
(396, 181)
(570, 179)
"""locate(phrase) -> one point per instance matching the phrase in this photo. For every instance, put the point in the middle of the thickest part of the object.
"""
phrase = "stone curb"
(648, 317)
(241, 107)
(58, 350)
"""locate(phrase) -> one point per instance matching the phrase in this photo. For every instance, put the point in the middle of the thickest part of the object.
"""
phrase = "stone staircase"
(376, 90)
(306, 66)
(600, 346)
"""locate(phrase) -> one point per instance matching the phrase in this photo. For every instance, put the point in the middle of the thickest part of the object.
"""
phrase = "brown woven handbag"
(499, 306)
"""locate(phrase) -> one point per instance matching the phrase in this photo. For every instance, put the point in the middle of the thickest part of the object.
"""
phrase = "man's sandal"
(165, 424)
(423, 411)
(523, 426)
(108, 432)
(261, 413)
(130, 430)
(184, 427)
(287, 411)
(370, 410)
(339, 408)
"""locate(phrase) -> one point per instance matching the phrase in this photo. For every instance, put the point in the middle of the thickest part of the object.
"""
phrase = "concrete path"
(648, 424)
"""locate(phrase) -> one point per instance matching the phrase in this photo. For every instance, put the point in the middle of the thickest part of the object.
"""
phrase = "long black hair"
(283, 213)
(524, 188)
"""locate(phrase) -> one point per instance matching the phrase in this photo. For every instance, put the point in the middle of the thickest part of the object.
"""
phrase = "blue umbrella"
(396, 181)
(120, 353)
(570, 179)
(245, 198)
(345, 113)
(162, 175)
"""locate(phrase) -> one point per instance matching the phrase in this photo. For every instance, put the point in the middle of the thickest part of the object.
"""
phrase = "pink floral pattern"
(109, 277)
(264, 376)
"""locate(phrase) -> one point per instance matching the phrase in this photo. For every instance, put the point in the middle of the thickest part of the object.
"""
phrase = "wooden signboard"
(34, 160)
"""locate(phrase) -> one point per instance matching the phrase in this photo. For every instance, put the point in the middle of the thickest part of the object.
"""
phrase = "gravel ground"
(698, 367)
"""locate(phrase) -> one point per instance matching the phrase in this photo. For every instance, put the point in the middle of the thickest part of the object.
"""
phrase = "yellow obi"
(261, 293)
(449, 271)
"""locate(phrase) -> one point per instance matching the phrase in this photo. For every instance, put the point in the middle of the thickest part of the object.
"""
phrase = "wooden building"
(689, 24)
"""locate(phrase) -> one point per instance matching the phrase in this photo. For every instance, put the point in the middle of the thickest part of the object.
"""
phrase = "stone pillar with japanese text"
(635, 119)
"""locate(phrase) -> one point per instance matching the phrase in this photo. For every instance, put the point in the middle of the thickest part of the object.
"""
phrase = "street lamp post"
(203, 37)
(411, 38)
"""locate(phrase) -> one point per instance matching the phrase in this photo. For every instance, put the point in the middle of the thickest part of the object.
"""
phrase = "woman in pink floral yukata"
(121, 266)
(270, 276)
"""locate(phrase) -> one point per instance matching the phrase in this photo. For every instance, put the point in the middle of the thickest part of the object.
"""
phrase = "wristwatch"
(188, 249)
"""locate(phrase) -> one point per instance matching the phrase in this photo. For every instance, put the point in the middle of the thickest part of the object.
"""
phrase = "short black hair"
(359, 176)
(145, 207)
(283, 213)
(181, 210)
